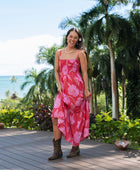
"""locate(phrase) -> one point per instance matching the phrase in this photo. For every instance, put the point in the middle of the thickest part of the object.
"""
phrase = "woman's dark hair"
(80, 44)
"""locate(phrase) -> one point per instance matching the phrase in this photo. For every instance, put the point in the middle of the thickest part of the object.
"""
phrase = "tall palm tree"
(101, 61)
(129, 61)
(106, 28)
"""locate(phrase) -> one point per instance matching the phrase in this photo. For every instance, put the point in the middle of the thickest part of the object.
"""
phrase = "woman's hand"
(87, 94)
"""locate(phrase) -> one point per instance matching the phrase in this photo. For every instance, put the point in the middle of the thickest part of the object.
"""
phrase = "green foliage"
(46, 78)
(13, 79)
(42, 114)
(133, 96)
(101, 102)
(17, 118)
(47, 55)
(108, 130)
(38, 92)
(14, 113)
(8, 103)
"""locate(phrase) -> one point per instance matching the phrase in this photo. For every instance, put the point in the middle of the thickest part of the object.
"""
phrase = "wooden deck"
(23, 149)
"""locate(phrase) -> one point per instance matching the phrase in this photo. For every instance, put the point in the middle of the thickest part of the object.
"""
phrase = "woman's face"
(72, 39)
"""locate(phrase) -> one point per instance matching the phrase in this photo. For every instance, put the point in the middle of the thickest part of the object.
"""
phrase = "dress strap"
(77, 54)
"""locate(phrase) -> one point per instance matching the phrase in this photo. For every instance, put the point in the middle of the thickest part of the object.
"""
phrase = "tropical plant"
(13, 81)
(107, 130)
(42, 115)
(36, 90)
(109, 29)
(8, 103)
(100, 59)
(47, 56)
(7, 93)
(128, 62)
(16, 118)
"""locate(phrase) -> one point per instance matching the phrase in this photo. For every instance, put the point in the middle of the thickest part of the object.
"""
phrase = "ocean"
(6, 84)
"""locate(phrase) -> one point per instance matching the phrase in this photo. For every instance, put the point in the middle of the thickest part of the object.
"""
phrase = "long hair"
(80, 44)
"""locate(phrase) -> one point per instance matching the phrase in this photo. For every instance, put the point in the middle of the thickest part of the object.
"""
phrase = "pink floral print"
(65, 69)
(73, 90)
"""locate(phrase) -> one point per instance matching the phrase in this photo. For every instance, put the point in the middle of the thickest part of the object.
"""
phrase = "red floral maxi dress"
(71, 108)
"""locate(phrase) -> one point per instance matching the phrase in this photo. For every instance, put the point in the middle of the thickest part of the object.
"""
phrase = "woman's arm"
(83, 62)
(56, 66)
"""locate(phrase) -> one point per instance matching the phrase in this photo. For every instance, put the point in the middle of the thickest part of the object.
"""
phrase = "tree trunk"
(91, 99)
(115, 110)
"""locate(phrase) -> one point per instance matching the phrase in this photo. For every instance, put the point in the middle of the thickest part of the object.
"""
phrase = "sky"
(25, 25)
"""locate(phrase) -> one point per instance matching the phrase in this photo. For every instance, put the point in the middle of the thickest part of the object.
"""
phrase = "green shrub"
(108, 130)
(36, 117)
(17, 118)
(42, 114)
(9, 103)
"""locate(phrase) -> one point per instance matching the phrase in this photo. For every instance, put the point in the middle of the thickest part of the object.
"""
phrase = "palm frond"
(47, 55)
(96, 31)
(135, 20)
(93, 13)
(25, 84)
(40, 76)
(30, 95)
(31, 74)
(68, 22)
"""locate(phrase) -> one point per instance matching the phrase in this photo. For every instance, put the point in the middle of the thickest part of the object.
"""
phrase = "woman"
(70, 115)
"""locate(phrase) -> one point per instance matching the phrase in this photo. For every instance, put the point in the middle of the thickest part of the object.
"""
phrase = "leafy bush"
(108, 130)
(9, 103)
(13, 113)
(17, 118)
(42, 115)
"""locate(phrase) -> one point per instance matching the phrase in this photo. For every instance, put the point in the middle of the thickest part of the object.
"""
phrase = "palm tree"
(100, 58)
(47, 56)
(42, 85)
(35, 90)
(128, 59)
(106, 28)
(7, 93)
(13, 80)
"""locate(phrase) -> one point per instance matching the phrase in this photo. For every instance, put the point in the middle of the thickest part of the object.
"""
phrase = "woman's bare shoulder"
(58, 52)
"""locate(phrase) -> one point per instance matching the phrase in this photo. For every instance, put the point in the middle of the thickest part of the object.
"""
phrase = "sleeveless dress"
(71, 108)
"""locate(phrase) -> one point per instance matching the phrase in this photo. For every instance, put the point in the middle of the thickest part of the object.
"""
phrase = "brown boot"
(57, 150)
(74, 152)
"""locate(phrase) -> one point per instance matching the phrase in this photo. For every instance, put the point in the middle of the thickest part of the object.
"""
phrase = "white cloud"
(18, 55)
